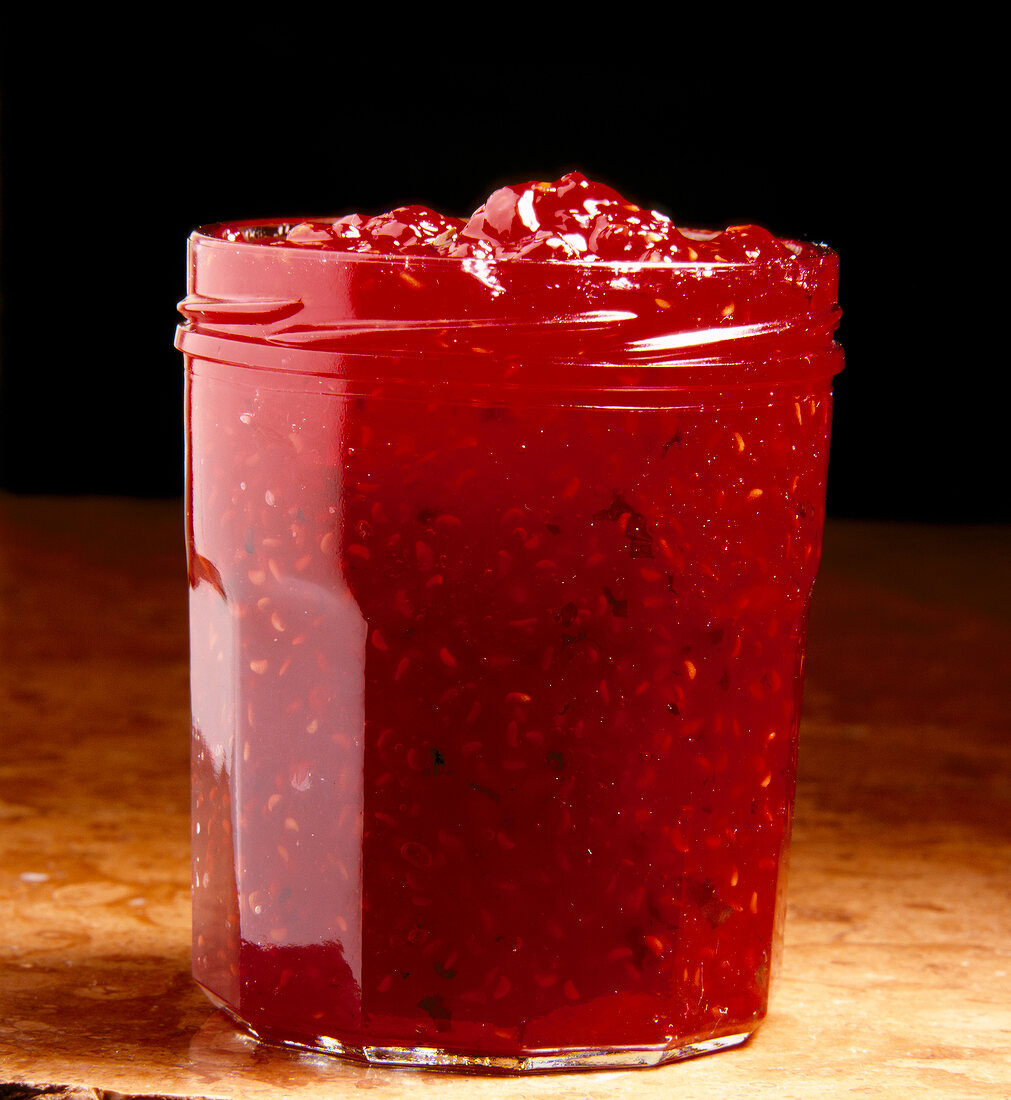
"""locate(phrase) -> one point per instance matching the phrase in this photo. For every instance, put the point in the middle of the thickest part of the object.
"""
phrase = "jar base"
(528, 1062)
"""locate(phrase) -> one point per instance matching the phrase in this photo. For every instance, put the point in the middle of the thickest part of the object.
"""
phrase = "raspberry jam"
(501, 536)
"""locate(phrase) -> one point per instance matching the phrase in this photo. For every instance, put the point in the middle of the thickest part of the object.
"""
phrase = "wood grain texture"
(896, 974)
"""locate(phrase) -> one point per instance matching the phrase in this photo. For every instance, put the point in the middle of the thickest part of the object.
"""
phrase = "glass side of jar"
(495, 711)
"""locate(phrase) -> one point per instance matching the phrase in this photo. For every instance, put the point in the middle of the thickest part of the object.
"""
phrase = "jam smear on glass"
(502, 535)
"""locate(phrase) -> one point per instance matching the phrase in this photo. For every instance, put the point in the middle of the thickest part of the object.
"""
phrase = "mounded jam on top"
(573, 218)
(499, 590)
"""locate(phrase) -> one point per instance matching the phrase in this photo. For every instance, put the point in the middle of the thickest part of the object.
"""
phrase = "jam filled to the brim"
(500, 571)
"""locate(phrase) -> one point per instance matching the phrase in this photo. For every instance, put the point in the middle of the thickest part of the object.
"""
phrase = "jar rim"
(469, 315)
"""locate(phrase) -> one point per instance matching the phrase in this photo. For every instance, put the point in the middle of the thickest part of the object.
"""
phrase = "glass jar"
(499, 579)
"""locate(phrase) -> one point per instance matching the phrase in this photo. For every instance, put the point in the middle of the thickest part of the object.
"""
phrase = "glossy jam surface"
(572, 218)
(495, 685)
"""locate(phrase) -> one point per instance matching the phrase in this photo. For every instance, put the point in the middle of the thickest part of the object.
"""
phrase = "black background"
(116, 145)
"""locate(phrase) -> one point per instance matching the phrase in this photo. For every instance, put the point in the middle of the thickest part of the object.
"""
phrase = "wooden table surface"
(896, 977)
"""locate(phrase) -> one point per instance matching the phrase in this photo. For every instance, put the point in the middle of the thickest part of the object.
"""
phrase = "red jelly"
(502, 534)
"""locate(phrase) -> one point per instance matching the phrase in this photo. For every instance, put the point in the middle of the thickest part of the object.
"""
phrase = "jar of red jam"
(501, 537)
